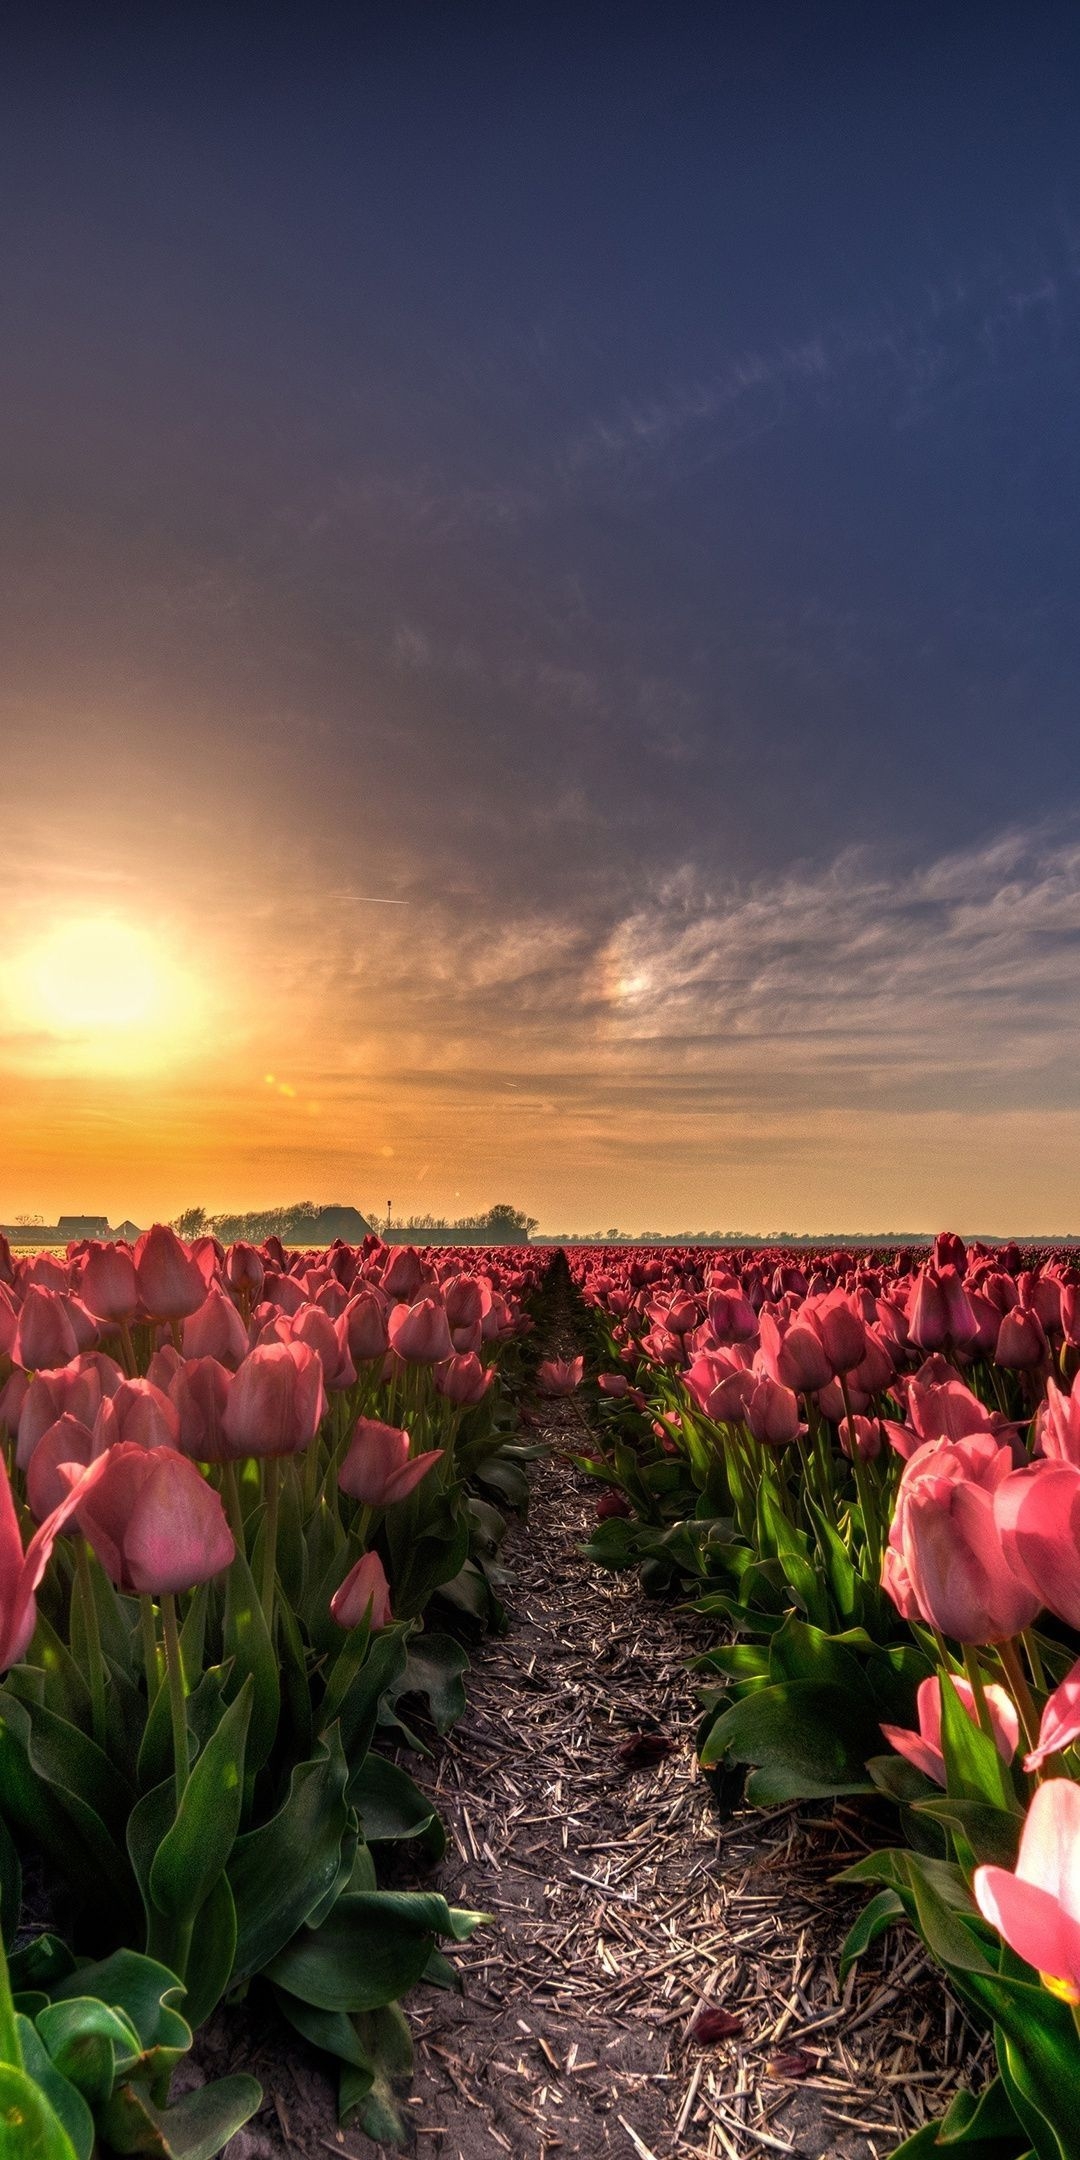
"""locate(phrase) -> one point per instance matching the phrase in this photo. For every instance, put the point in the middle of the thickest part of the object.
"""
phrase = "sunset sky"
(540, 612)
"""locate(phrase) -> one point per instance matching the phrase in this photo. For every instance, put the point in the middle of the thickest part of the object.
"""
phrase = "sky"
(540, 603)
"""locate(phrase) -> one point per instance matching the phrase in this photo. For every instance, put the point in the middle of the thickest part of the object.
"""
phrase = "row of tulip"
(232, 1483)
(868, 1467)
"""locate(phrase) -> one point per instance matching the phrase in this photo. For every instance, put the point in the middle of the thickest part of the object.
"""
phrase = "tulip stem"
(1034, 1659)
(1021, 1693)
(231, 1489)
(149, 1650)
(978, 1688)
(174, 1667)
(270, 1536)
(10, 2045)
(94, 1659)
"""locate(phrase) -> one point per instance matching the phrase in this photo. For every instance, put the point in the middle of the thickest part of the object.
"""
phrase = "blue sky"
(606, 482)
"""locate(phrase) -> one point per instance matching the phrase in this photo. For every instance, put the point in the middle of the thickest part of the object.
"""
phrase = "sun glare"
(104, 993)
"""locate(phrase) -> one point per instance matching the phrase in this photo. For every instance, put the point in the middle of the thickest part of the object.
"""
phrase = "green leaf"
(196, 2128)
(90, 2044)
(373, 1946)
(279, 1872)
(974, 1768)
(67, 2104)
(387, 2042)
(992, 1835)
(809, 1740)
(143, 1990)
(873, 1921)
(332, 2031)
(195, 1850)
(29, 2127)
(10, 1885)
(392, 1807)
(42, 1964)
(248, 1644)
(211, 1954)
(435, 1668)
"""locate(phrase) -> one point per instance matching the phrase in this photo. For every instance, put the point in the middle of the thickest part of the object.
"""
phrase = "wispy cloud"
(907, 358)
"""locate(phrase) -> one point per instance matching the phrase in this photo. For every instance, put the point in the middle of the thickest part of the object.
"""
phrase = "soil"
(622, 1899)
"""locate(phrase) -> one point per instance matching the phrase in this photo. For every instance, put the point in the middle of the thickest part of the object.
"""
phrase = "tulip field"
(865, 1469)
(235, 1484)
(250, 1513)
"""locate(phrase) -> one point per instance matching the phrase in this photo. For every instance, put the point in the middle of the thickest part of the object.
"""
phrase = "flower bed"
(246, 1512)
(867, 1467)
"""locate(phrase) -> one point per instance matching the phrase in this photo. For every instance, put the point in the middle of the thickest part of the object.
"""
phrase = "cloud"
(957, 980)
(909, 356)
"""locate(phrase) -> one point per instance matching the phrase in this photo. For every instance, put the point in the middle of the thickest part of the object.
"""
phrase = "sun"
(102, 993)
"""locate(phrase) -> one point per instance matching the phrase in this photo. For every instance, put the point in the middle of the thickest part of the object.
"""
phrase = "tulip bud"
(462, 1379)
(276, 1402)
(155, 1524)
(378, 1468)
(364, 1594)
(216, 1330)
(44, 1337)
(171, 1282)
(419, 1333)
(108, 1285)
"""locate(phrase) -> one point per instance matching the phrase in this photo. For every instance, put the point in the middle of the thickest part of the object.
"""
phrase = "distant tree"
(502, 1214)
(193, 1223)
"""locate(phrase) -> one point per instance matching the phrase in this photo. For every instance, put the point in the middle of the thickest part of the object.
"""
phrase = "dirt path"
(622, 1899)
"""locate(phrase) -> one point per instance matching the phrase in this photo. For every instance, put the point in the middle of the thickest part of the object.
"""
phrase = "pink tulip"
(945, 1528)
(364, 1595)
(403, 1274)
(171, 1282)
(139, 1413)
(1057, 1424)
(1037, 1513)
(1060, 1724)
(329, 1340)
(719, 1384)
(462, 1379)
(923, 1748)
(216, 1330)
(466, 1300)
(365, 1327)
(1037, 1908)
(1021, 1343)
(613, 1383)
(868, 1438)
(772, 1412)
(276, 1403)
(52, 1395)
(419, 1333)
(44, 1337)
(842, 1333)
(378, 1468)
(155, 1524)
(199, 1392)
(1070, 1314)
(731, 1317)
(20, 1573)
(948, 1410)
(796, 1358)
(560, 1376)
(108, 1285)
(68, 1441)
(244, 1270)
(941, 1308)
